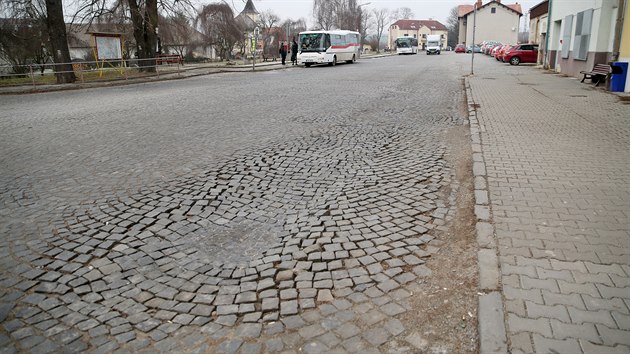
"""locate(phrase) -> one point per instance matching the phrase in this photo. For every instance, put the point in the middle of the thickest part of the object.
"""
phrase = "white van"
(434, 44)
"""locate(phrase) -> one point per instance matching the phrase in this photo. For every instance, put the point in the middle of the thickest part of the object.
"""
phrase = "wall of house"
(425, 31)
(463, 26)
(501, 26)
(624, 49)
(397, 32)
(601, 37)
(419, 33)
(537, 27)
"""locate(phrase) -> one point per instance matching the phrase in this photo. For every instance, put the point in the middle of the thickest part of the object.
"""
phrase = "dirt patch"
(445, 305)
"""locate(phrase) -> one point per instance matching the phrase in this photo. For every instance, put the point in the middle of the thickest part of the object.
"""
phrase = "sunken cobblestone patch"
(316, 242)
(262, 239)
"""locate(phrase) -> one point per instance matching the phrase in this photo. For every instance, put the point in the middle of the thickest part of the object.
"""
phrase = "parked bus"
(406, 45)
(328, 47)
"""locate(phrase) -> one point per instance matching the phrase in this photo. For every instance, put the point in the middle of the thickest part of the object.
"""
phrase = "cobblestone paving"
(558, 171)
(172, 218)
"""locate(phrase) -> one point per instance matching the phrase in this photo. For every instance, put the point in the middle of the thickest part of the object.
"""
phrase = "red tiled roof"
(463, 10)
(416, 24)
(516, 7)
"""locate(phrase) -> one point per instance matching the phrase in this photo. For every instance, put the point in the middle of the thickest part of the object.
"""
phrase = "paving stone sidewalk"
(557, 155)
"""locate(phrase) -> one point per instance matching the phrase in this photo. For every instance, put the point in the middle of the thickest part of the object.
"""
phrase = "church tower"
(250, 11)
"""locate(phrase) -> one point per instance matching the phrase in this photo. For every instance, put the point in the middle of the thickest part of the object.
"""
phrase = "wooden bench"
(267, 57)
(599, 72)
(169, 59)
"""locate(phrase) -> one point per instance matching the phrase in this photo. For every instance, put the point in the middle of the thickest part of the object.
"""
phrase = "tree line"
(34, 31)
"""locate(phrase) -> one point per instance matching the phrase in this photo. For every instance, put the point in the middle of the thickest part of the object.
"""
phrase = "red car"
(460, 48)
(522, 53)
(501, 52)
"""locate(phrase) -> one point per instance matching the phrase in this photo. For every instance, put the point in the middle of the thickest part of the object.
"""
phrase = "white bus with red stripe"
(328, 47)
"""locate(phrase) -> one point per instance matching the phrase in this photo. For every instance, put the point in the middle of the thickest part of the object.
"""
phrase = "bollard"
(32, 76)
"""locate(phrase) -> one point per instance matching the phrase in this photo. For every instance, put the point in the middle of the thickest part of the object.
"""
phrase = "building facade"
(248, 21)
(581, 34)
(417, 29)
(538, 16)
(494, 21)
(624, 48)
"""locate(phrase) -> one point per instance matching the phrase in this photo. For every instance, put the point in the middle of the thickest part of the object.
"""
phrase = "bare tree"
(325, 13)
(50, 32)
(216, 23)
(380, 21)
(342, 14)
(176, 33)
(268, 21)
(291, 28)
(452, 23)
(59, 42)
(373, 41)
(365, 23)
(402, 13)
(23, 42)
(144, 19)
(298, 25)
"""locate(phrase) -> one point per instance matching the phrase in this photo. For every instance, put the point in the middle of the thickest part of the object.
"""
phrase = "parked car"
(501, 52)
(522, 53)
(476, 48)
(460, 48)
(492, 48)
(487, 46)
(494, 51)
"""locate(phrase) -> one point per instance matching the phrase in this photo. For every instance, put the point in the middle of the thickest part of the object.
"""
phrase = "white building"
(417, 29)
(581, 34)
(495, 21)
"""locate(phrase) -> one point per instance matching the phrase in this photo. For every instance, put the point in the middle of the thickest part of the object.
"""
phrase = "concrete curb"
(492, 333)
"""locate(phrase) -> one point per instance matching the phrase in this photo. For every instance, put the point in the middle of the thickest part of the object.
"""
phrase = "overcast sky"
(423, 9)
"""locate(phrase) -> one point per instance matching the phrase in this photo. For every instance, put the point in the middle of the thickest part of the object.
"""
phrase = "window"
(566, 35)
(424, 36)
(338, 40)
(414, 36)
(406, 35)
(493, 10)
(582, 34)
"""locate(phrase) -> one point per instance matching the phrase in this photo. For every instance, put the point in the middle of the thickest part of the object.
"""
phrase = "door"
(527, 54)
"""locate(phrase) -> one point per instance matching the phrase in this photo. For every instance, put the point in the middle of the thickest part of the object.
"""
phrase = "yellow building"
(417, 29)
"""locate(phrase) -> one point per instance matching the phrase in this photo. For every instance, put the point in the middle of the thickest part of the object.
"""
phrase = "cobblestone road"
(278, 211)
(558, 173)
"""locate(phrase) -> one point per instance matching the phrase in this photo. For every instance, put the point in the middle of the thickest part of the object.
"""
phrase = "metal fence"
(89, 71)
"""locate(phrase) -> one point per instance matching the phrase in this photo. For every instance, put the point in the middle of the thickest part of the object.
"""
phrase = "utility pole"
(288, 30)
(546, 65)
(472, 58)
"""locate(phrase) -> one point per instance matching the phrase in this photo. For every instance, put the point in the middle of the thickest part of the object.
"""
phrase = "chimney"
(478, 3)
(499, 1)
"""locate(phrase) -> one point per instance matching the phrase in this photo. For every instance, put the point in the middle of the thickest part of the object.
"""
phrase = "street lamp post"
(255, 42)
